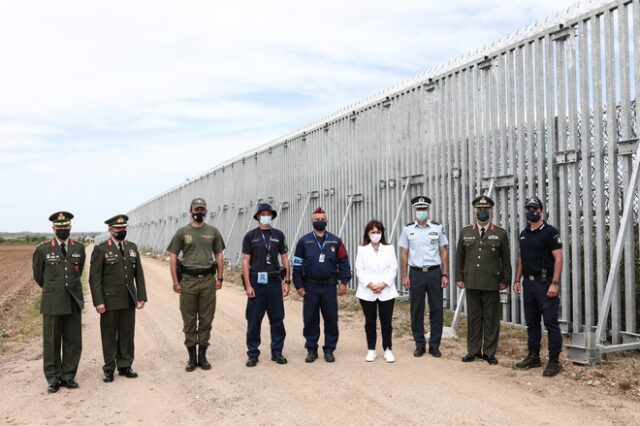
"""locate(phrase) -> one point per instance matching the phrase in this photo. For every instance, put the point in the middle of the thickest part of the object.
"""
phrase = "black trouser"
(371, 310)
(61, 331)
(483, 321)
(536, 304)
(117, 329)
(429, 284)
(268, 299)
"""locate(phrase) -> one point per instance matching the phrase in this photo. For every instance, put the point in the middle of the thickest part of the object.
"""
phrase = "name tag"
(263, 278)
(321, 258)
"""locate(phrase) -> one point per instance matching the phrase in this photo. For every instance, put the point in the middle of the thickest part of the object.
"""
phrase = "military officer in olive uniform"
(117, 289)
(202, 250)
(483, 268)
(57, 268)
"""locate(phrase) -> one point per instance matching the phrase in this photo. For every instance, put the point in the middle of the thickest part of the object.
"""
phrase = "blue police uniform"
(537, 270)
(265, 246)
(423, 244)
(318, 264)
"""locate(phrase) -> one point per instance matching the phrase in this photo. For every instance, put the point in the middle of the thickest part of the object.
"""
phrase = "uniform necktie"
(482, 233)
(121, 249)
(63, 249)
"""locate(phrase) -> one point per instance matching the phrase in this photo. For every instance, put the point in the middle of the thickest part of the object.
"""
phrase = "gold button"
(478, 265)
(478, 257)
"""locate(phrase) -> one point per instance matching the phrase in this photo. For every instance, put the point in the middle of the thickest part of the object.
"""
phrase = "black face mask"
(319, 225)
(120, 235)
(198, 217)
(482, 216)
(63, 234)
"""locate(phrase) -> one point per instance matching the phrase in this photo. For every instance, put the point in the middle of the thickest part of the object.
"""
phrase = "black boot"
(554, 366)
(531, 361)
(202, 358)
(192, 361)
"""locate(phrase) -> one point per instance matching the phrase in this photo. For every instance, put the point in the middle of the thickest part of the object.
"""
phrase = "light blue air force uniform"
(423, 243)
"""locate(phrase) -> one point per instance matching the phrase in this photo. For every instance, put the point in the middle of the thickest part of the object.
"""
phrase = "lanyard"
(321, 247)
(267, 245)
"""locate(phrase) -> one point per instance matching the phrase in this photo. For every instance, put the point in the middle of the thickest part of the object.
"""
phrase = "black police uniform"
(537, 270)
(265, 247)
(317, 265)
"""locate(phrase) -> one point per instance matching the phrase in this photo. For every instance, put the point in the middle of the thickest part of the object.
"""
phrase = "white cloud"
(123, 92)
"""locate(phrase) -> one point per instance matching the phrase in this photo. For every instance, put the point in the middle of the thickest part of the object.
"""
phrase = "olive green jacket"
(59, 276)
(482, 264)
(116, 281)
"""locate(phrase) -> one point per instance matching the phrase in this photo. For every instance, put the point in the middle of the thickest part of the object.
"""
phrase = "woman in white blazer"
(376, 269)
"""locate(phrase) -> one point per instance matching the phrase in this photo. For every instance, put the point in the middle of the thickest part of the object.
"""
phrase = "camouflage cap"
(198, 202)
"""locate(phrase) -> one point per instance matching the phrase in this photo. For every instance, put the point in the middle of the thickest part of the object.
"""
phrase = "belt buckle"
(532, 278)
(425, 269)
(200, 276)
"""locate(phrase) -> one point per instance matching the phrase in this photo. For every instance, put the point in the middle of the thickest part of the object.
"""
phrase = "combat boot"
(554, 366)
(202, 358)
(531, 361)
(192, 361)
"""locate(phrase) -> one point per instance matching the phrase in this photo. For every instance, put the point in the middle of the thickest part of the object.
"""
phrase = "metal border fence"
(549, 110)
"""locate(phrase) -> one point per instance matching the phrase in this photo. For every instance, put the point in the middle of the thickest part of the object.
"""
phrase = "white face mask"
(265, 220)
(375, 238)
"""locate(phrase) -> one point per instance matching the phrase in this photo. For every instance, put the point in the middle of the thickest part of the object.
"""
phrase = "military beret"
(61, 218)
(318, 210)
(482, 201)
(198, 202)
(118, 221)
(420, 201)
(265, 207)
(533, 202)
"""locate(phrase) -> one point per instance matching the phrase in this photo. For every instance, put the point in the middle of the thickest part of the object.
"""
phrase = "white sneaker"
(388, 356)
(371, 356)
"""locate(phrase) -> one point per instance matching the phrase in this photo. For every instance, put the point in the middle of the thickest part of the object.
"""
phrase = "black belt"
(272, 274)
(328, 281)
(535, 278)
(425, 268)
(197, 272)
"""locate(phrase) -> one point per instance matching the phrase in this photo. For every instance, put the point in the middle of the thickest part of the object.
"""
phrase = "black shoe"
(69, 384)
(435, 352)
(531, 361)
(470, 357)
(420, 350)
(192, 361)
(202, 358)
(53, 387)
(252, 361)
(554, 366)
(328, 356)
(107, 376)
(312, 355)
(490, 359)
(127, 372)
(279, 358)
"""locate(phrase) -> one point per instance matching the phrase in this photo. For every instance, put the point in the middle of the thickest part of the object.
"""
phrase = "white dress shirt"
(376, 267)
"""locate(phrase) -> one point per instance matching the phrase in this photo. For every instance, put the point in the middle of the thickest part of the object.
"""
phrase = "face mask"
(198, 217)
(482, 216)
(120, 235)
(63, 234)
(320, 225)
(533, 216)
(421, 216)
(375, 238)
(265, 220)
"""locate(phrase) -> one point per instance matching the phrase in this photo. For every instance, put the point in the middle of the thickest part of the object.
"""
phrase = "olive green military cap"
(61, 218)
(483, 201)
(198, 202)
(118, 221)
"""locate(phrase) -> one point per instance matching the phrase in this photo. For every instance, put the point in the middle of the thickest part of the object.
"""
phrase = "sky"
(104, 105)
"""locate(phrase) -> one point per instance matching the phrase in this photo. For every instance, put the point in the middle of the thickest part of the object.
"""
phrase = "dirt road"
(411, 391)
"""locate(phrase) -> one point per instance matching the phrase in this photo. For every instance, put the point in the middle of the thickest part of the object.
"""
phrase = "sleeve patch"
(297, 261)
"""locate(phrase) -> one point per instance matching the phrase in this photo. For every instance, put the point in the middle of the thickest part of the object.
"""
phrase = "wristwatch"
(445, 275)
(287, 281)
(220, 279)
(555, 282)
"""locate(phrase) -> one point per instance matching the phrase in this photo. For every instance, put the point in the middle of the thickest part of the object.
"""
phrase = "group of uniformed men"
(321, 271)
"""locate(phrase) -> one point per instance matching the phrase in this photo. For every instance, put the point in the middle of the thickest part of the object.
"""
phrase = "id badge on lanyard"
(321, 258)
(321, 247)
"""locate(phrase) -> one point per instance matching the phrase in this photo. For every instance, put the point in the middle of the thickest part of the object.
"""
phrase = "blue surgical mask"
(533, 216)
(265, 220)
(421, 215)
